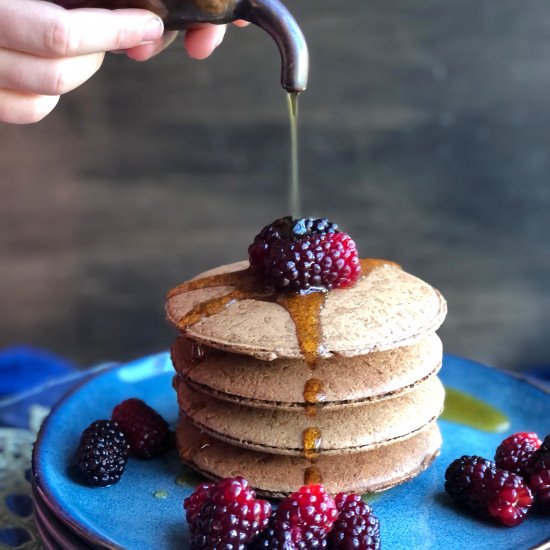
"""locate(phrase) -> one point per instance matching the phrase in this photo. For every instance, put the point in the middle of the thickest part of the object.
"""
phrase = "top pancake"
(387, 308)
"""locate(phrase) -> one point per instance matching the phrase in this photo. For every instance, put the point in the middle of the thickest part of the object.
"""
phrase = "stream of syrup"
(305, 312)
(294, 199)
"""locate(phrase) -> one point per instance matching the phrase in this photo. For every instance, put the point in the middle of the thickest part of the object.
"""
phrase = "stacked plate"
(144, 510)
(54, 533)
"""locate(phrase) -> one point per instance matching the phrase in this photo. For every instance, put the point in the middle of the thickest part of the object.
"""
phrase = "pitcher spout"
(270, 15)
(278, 22)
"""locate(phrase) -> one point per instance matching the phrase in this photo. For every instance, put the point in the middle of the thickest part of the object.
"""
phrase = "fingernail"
(220, 38)
(153, 30)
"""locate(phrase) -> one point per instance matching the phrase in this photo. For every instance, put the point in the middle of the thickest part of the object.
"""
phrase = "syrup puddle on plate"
(463, 408)
(189, 478)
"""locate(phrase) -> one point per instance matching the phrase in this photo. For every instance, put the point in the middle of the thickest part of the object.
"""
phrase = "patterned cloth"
(31, 381)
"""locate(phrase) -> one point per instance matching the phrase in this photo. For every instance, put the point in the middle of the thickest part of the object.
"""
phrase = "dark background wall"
(425, 133)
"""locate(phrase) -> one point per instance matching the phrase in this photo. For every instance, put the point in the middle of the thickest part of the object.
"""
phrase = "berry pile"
(304, 254)
(488, 490)
(506, 489)
(135, 429)
(227, 515)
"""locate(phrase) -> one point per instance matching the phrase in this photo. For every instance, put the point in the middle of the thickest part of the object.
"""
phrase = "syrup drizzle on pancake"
(197, 352)
(305, 312)
(314, 393)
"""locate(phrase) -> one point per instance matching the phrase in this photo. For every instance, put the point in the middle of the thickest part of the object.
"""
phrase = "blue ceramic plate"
(144, 510)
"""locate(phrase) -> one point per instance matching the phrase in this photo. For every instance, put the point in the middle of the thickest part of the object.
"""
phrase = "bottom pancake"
(276, 476)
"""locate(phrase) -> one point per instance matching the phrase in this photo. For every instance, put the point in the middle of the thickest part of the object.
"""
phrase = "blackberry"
(515, 453)
(146, 431)
(195, 501)
(539, 483)
(280, 535)
(301, 521)
(543, 452)
(539, 478)
(304, 254)
(102, 453)
(225, 515)
(277, 536)
(356, 527)
(481, 486)
(308, 507)
(313, 538)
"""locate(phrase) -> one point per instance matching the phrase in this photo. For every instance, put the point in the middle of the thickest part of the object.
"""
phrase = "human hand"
(47, 51)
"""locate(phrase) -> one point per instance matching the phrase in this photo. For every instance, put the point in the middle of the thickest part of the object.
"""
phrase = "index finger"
(48, 30)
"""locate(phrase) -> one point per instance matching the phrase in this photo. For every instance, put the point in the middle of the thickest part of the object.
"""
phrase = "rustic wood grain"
(425, 133)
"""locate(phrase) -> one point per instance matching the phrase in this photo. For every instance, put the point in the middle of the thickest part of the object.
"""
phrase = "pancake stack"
(338, 387)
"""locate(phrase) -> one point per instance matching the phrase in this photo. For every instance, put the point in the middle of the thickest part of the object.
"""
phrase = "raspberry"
(301, 521)
(225, 515)
(303, 254)
(515, 452)
(102, 453)
(539, 480)
(492, 492)
(146, 431)
(356, 527)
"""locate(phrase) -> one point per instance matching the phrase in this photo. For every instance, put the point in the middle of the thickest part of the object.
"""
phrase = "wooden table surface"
(425, 133)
